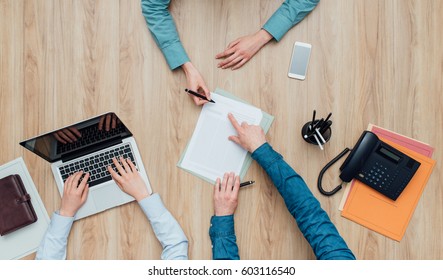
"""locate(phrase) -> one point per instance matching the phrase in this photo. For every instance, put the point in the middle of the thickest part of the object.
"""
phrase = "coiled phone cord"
(320, 176)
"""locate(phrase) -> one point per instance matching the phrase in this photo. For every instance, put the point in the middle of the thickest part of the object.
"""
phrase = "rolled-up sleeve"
(289, 14)
(163, 30)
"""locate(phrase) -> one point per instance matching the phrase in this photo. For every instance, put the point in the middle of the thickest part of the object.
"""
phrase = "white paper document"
(210, 153)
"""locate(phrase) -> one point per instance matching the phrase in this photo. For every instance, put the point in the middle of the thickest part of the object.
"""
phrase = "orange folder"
(373, 210)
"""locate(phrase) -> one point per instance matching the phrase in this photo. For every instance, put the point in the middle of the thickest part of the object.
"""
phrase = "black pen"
(247, 183)
(325, 128)
(313, 119)
(312, 132)
(327, 118)
(198, 95)
(318, 124)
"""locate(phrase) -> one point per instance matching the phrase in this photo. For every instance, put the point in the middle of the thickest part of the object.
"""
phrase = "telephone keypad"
(378, 176)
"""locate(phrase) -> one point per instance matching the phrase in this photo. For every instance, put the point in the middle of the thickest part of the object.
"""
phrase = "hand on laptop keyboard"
(97, 164)
(75, 193)
(128, 178)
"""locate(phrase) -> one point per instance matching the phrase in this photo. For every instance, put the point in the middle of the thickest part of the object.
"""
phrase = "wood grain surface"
(373, 61)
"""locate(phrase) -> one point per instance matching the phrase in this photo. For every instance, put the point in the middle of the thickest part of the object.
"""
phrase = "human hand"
(66, 135)
(226, 195)
(250, 137)
(75, 193)
(240, 51)
(129, 179)
(196, 83)
(109, 120)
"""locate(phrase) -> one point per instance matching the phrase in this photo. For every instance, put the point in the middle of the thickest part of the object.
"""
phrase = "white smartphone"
(299, 60)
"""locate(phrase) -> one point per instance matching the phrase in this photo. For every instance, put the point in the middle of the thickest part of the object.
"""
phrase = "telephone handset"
(376, 164)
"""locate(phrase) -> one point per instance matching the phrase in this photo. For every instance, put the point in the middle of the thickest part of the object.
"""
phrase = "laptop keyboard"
(90, 135)
(97, 165)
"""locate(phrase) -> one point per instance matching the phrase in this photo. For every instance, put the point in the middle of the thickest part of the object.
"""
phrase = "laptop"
(90, 146)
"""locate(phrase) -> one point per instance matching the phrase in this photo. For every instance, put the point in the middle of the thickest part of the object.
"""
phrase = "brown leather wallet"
(16, 210)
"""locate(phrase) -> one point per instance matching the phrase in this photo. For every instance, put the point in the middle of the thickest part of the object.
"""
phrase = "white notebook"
(26, 240)
(210, 153)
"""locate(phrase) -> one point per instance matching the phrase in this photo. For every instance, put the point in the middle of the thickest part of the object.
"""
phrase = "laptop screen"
(83, 137)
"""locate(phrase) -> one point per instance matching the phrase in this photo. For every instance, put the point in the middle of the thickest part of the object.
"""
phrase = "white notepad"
(26, 240)
(210, 153)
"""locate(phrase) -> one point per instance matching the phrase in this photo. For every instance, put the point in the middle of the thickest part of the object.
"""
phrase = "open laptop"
(90, 146)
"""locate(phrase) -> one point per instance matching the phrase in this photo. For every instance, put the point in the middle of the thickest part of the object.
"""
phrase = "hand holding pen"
(195, 82)
(196, 94)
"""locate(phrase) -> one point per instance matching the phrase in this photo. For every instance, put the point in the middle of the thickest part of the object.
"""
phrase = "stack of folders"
(373, 210)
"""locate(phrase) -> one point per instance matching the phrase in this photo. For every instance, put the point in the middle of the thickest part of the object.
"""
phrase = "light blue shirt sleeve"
(166, 228)
(53, 246)
(289, 14)
(163, 30)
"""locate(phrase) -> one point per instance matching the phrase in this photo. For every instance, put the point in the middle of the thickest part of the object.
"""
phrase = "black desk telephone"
(376, 164)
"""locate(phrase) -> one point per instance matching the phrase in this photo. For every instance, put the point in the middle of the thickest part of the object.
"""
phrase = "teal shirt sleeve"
(53, 245)
(166, 228)
(223, 239)
(163, 30)
(289, 14)
(312, 220)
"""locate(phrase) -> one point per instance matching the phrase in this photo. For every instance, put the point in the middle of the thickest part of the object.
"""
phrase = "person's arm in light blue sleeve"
(312, 220)
(166, 228)
(53, 245)
(224, 242)
(289, 14)
(75, 193)
(163, 30)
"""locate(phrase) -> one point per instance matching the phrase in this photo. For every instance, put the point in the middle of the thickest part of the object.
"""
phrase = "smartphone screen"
(299, 61)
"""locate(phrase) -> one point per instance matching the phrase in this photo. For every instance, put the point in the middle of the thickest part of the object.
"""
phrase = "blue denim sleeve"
(224, 242)
(289, 14)
(163, 30)
(312, 220)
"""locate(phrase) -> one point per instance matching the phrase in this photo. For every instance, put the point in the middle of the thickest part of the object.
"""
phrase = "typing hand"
(249, 137)
(240, 51)
(129, 179)
(196, 83)
(226, 195)
(75, 193)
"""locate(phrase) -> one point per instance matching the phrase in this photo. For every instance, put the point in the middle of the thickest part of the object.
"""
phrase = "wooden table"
(374, 61)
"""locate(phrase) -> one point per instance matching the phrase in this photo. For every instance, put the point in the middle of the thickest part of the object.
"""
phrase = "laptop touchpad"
(107, 197)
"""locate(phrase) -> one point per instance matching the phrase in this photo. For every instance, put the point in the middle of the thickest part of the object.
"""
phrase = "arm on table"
(221, 231)
(312, 220)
